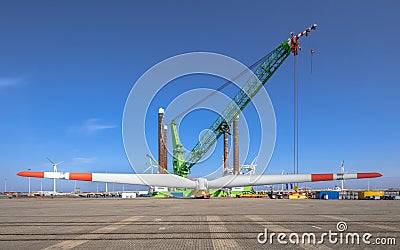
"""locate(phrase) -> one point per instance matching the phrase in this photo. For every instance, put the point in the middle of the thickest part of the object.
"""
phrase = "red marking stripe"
(80, 176)
(31, 174)
(368, 175)
(321, 177)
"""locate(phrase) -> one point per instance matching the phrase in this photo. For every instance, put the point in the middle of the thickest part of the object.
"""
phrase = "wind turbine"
(249, 169)
(150, 167)
(152, 160)
(55, 171)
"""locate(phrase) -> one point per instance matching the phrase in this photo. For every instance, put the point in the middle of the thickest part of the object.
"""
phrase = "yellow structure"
(298, 196)
(253, 195)
(363, 195)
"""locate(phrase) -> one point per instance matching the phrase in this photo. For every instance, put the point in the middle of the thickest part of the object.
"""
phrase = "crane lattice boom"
(262, 74)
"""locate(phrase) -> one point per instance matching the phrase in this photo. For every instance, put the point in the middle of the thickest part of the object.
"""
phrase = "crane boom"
(262, 74)
(178, 159)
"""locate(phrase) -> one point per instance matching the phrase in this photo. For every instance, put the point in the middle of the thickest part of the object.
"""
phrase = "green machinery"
(263, 71)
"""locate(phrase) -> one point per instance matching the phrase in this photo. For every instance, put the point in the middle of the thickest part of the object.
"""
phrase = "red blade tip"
(31, 174)
(368, 175)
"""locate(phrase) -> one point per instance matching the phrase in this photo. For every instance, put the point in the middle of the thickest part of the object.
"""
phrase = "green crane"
(263, 71)
(178, 160)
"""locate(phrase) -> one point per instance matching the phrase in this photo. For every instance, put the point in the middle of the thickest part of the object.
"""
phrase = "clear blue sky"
(66, 69)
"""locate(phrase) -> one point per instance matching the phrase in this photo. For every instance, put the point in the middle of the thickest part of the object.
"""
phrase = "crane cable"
(312, 51)
(293, 43)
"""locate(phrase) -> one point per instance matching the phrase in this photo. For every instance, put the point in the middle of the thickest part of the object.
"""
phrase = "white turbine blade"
(50, 160)
(162, 180)
(147, 169)
(254, 160)
(59, 163)
(257, 180)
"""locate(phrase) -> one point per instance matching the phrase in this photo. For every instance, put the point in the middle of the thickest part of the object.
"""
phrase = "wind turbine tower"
(342, 171)
(55, 171)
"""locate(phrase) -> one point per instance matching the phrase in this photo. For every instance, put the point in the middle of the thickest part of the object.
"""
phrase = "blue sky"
(66, 69)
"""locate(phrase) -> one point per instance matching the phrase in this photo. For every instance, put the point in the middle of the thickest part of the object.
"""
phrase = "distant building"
(327, 195)
(128, 195)
(370, 195)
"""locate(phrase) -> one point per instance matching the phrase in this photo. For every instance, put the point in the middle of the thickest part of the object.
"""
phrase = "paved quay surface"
(223, 223)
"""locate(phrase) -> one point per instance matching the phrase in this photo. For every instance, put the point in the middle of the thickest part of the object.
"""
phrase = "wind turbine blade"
(257, 180)
(50, 160)
(254, 160)
(59, 163)
(147, 169)
(161, 180)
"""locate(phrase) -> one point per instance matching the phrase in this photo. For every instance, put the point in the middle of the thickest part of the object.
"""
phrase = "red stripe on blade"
(80, 176)
(368, 175)
(321, 177)
(31, 174)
